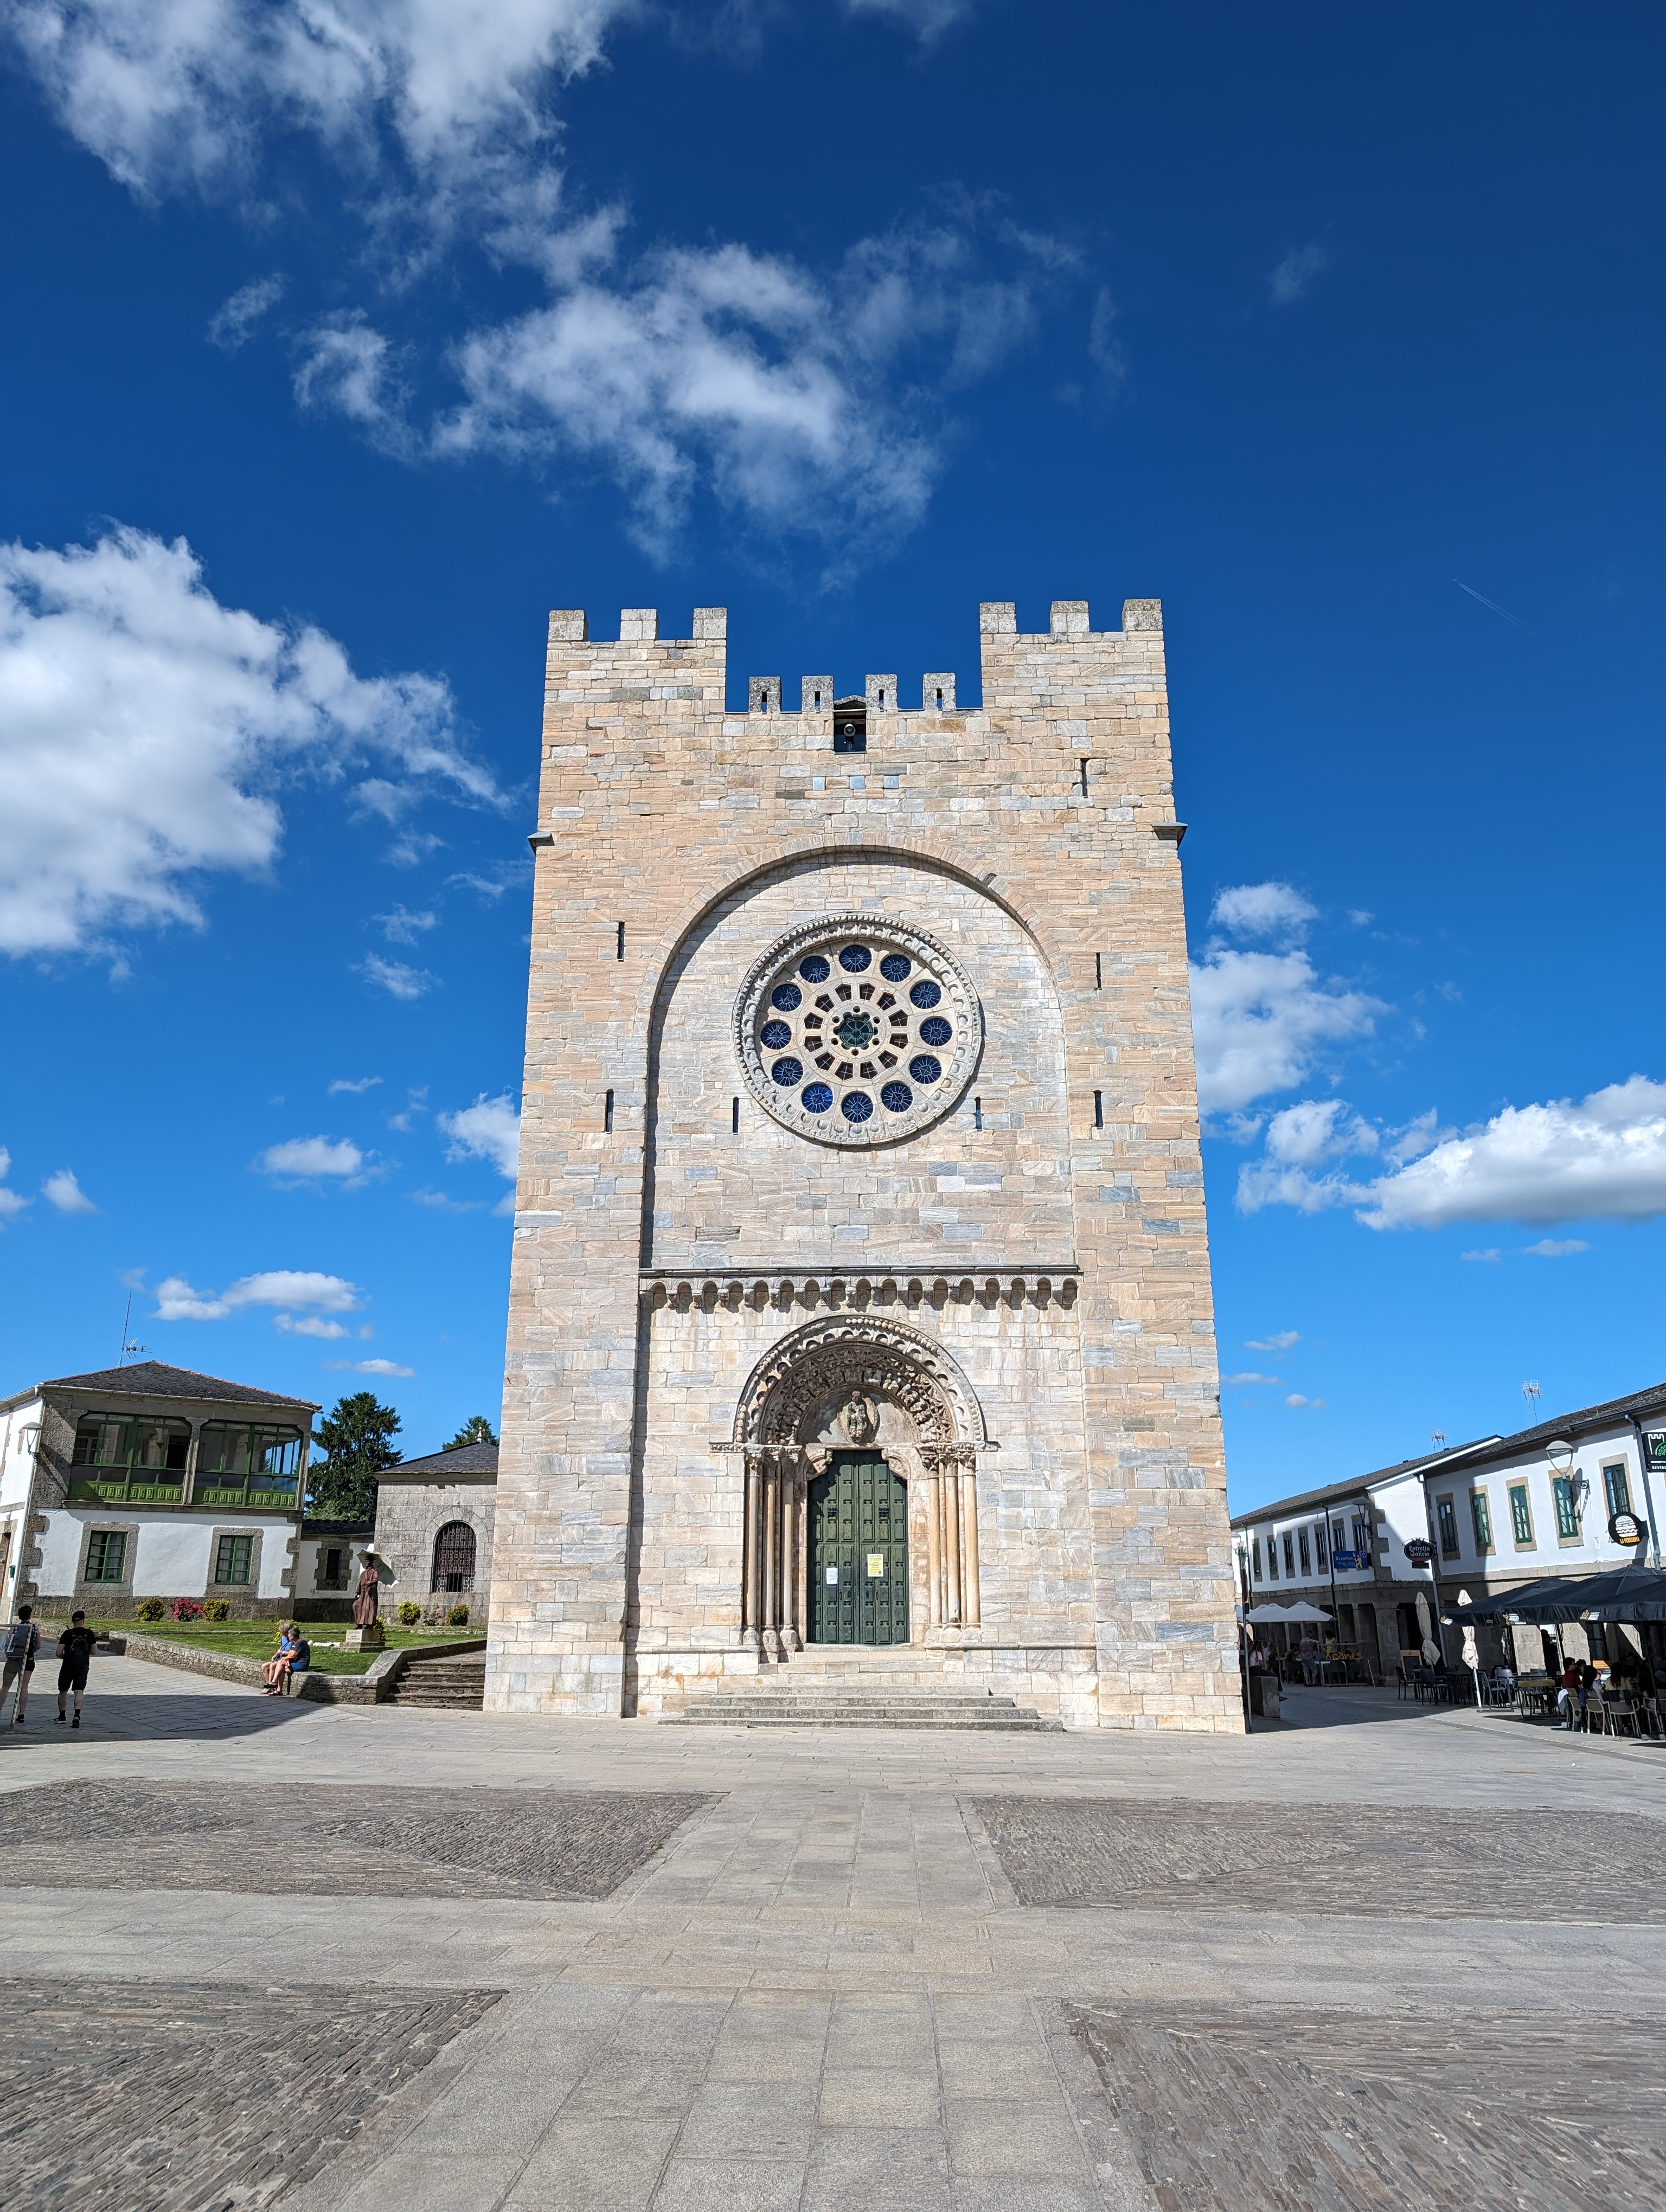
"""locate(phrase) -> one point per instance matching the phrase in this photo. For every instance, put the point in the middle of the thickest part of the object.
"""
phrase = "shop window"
(232, 1559)
(1521, 1514)
(1446, 1517)
(107, 1555)
(1481, 1516)
(1617, 1484)
(1568, 1512)
(454, 1556)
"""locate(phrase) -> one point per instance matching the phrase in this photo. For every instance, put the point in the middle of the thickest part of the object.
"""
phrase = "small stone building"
(150, 1481)
(859, 1294)
(434, 1531)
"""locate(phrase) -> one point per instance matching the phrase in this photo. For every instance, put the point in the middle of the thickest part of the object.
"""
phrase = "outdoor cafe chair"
(1619, 1713)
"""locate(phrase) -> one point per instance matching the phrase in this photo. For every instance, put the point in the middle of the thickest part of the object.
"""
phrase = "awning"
(1631, 1592)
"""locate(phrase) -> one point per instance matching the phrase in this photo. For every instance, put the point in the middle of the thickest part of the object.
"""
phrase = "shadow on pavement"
(129, 1718)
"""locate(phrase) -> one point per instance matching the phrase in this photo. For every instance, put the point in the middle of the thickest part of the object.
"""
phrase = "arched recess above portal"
(787, 858)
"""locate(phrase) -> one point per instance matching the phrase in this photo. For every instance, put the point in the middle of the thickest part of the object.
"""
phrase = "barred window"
(454, 1556)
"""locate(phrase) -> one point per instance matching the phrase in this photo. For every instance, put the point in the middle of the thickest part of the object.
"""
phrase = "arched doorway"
(857, 1541)
(453, 1557)
(856, 1430)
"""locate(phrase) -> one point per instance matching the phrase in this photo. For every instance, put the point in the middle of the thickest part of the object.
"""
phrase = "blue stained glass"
(924, 993)
(896, 1098)
(815, 969)
(816, 1098)
(784, 997)
(787, 1072)
(925, 1067)
(856, 1106)
(935, 1031)
(776, 1034)
(855, 958)
(895, 966)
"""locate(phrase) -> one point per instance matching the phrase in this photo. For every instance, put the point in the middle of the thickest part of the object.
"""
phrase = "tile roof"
(476, 1460)
(150, 1378)
(1333, 1492)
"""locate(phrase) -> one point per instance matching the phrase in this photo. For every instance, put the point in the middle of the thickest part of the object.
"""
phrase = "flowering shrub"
(409, 1612)
(217, 1608)
(152, 1609)
(457, 1617)
(187, 1608)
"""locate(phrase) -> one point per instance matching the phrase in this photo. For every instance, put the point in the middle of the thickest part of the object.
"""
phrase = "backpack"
(24, 1640)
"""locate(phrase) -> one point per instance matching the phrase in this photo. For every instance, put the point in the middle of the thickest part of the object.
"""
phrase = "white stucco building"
(149, 1481)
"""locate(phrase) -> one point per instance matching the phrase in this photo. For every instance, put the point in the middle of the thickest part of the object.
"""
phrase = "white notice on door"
(876, 1563)
(832, 1574)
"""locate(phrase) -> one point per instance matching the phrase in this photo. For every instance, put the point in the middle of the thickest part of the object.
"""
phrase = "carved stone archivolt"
(846, 1380)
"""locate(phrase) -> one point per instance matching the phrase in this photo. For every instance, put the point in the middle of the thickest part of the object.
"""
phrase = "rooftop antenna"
(129, 1349)
(1437, 1438)
(1530, 1392)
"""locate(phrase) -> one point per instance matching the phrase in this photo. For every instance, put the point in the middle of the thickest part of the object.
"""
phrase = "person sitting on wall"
(277, 1667)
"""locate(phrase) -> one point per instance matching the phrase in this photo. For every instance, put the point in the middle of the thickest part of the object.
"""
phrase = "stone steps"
(813, 1706)
(459, 1684)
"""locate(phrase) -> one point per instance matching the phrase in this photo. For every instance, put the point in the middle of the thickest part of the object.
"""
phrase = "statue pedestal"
(365, 1639)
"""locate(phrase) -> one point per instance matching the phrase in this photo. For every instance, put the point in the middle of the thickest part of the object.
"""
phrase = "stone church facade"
(861, 1301)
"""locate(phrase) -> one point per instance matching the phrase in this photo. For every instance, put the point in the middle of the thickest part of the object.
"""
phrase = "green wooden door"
(859, 1553)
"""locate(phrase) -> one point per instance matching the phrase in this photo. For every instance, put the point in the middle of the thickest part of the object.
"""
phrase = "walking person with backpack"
(74, 1651)
(22, 1642)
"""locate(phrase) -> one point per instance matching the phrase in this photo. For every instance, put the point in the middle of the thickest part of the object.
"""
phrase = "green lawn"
(257, 1639)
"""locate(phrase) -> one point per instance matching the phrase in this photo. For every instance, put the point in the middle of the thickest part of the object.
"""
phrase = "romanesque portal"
(860, 1298)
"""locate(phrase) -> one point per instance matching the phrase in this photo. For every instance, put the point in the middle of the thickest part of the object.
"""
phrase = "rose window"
(858, 1032)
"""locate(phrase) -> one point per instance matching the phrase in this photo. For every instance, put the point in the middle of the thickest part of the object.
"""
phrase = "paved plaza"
(281, 1954)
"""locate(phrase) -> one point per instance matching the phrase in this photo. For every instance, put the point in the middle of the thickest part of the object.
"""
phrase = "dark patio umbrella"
(1629, 1593)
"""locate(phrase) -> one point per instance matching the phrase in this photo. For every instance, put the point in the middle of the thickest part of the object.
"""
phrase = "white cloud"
(310, 1325)
(1259, 1019)
(66, 1193)
(927, 18)
(1489, 1258)
(1235, 1381)
(10, 1203)
(1557, 1248)
(181, 93)
(1102, 349)
(1317, 1129)
(369, 1366)
(144, 729)
(393, 977)
(232, 323)
(487, 1130)
(1269, 909)
(1297, 1399)
(364, 1083)
(1601, 1157)
(1295, 274)
(805, 402)
(1282, 1340)
(278, 1286)
(348, 369)
(402, 926)
(307, 1157)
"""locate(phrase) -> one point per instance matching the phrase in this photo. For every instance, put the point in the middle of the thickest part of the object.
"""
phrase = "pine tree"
(358, 1440)
(477, 1430)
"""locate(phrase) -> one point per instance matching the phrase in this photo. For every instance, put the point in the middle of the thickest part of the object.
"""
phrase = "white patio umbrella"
(1270, 1611)
(1425, 1630)
(1303, 1611)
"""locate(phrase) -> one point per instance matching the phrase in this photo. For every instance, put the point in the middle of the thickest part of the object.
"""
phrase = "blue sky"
(347, 340)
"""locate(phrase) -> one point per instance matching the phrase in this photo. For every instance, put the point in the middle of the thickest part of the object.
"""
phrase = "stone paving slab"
(331, 1841)
(1331, 2110)
(173, 2096)
(1430, 1862)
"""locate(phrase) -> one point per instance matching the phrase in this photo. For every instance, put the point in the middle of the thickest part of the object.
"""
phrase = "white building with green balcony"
(150, 1481)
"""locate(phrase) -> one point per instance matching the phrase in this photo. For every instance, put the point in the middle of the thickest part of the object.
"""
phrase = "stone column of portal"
(790, 1570)
(771, 1610)
(801, 1537)
(934, 1546)
(751, 1578)
(952, 1546)
(971, 1607)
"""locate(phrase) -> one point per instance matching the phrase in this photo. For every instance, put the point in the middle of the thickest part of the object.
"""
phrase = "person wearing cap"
(75, 1655)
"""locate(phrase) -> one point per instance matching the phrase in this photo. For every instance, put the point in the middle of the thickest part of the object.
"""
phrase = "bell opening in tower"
(850, 725)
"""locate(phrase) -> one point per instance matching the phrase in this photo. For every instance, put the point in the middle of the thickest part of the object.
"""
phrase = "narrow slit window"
(882, 702)
(940, 698)
(619, 949)
(818, 699)
(1098, 1109)
(1099, 971)
(977, 1113)
(734, 1117)
(1084, 779)
(608, 1115)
